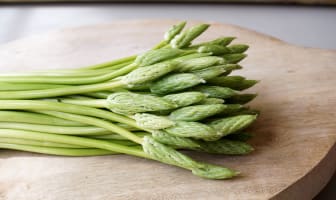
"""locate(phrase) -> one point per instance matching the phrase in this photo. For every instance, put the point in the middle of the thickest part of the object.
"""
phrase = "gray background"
(309, 26)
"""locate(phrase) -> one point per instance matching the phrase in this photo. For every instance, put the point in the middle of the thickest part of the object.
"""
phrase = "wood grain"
(295, 134)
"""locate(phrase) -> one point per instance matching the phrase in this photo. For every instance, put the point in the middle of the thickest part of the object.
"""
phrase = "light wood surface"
(295, 135)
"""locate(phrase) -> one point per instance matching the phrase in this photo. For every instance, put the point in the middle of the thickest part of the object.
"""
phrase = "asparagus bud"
(214, 49)
(173, 31)
(197, 112)
(241, 98)
(234, 58)
(238, 48)
(175, 82)
(149, 73)
(198, 63)
(224, 146)
(210, 171)
(229, 125)
(215, 91)
(174, 141)
(149, 121)
(233, 82)
(211, 101)
(211, 72)
(232, 108)
(154, 56)
(192, 129)
(128, 103)
(165, 154)
(222, 41)
(185, 38)
(185, 98)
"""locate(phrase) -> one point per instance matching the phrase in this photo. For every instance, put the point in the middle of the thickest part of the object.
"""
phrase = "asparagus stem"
(70, 90)
(69, 80)
(60, 145)
(64, 130)
(111, 63)
(63, 107)
(116, 136)
(67, 73)
(95, 103)
(27, 86)
(35, 118)
(96, 122)
(57, 151)
(37, 143)
(73, 140)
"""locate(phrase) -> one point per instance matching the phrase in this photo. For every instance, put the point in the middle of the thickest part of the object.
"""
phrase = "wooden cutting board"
(295, 135)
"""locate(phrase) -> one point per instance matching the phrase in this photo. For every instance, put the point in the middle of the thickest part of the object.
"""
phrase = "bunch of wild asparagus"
(175, 96)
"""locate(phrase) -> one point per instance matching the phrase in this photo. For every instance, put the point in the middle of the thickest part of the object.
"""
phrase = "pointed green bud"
(234, 58)
(140, 87)
(191, 56)
(212, 101)
(210, 72)
(227, 147)
(222, 41)
(238, 48)
(185, 98)
(175, 82)
(168, 155)
(165, 154)
(243, 137)
(149, 121)
(196, 113)
(210, 171)
(241, 98)
(185, 38)
(232, 108)
(148, 73)
(191, 129)
(245, 111)
(174, 141)
(173, 31)
(128, 103)
(216, 91)
(214, 49)
(233, 82)
(230, 67)
(229, 125)
(198, 63)
(158, 55)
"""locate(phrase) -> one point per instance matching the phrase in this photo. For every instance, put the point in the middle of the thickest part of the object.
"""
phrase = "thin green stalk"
(67, 73)
(111, 63)
(73, 140)
(63, 107)
(43, 143)
(98, 95)
(35, 118)
(37, 143)
(27, 86)
(95, 103)
(96, 122)
(64, 130)
(54, 92)
(57, 151)
(116, 136)
(70, 80)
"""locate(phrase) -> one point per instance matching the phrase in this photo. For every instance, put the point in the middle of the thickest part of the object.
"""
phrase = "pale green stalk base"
(72, 140)
(96, 122)
(63, 91)
(57, 151)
